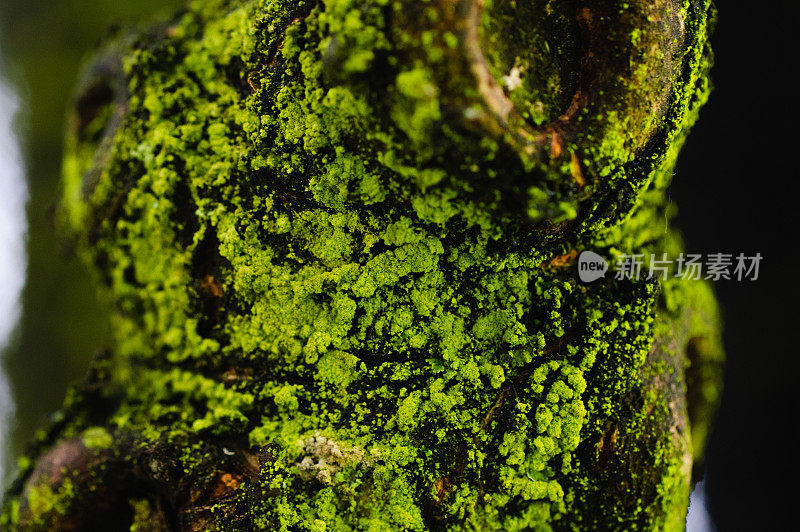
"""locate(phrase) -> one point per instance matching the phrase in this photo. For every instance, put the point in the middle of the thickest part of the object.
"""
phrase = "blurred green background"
(42, 46)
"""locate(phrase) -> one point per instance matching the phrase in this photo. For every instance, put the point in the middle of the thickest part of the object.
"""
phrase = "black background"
(737, 186)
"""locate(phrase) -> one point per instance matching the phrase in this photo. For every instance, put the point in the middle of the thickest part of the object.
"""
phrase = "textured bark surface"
(340, 241)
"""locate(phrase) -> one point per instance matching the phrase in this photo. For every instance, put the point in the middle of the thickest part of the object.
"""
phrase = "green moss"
(298, 245)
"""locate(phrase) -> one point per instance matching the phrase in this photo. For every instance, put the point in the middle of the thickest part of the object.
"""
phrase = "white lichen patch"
(325, 457)
(513, 80)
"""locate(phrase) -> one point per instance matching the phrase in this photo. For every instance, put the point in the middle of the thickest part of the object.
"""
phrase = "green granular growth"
(303, 254)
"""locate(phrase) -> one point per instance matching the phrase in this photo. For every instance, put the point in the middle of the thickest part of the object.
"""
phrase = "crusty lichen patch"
(305, 252)
(324, 458)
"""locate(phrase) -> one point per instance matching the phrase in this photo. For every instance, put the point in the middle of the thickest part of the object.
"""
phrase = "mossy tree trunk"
(340, 239)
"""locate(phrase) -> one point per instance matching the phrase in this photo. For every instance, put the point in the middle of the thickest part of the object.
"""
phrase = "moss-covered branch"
(339, 238)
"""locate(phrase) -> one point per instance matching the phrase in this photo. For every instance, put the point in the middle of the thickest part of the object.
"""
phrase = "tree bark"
(340, 240)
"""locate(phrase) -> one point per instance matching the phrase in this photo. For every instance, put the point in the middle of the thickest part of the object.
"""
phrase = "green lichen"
(299, 245)
(43, 501)
(97, 438)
